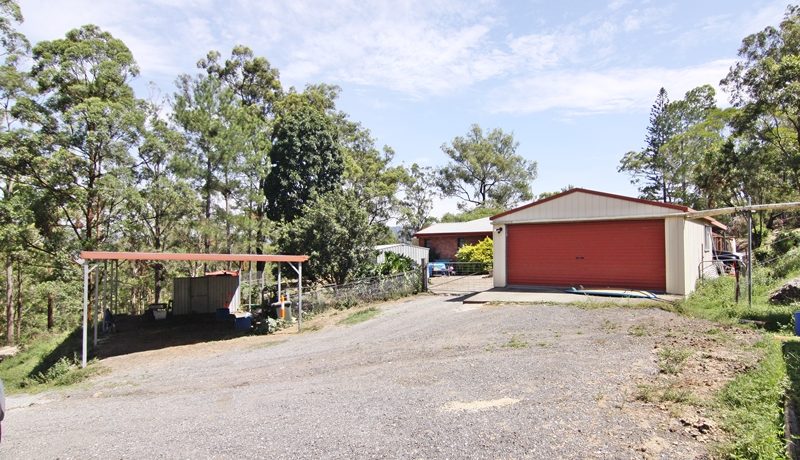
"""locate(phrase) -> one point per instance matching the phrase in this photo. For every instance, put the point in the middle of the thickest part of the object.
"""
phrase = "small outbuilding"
(595, 239)
(445, 239)
(416, 253)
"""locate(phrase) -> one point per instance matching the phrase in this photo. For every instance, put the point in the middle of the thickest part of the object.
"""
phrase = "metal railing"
(459, 277)
(320, 298)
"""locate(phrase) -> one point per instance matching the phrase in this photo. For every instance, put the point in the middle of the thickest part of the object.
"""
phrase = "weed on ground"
(671, 360)
(360, 316)
(516, 342)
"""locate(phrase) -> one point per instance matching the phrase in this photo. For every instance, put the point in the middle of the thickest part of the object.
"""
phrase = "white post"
(85, 310)
(96, 303)
(279, 282)
(299, 296)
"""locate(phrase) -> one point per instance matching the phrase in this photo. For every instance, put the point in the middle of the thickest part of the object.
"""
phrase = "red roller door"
(624, 254)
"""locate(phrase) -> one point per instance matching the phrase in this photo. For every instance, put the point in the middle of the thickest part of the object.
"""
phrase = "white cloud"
(612, 90)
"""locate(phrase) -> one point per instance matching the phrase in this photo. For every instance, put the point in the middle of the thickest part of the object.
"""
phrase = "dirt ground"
(429, 377)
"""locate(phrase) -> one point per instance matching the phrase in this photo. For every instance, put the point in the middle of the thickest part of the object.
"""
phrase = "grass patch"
(609, 326)
(516, 342)
(714, 300)
(360, 316)
(669, 393)
(751, 407)
(50, 360)
(672, 360)
(638, 330)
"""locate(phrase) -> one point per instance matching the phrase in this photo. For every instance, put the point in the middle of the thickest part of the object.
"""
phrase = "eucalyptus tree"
(15, 216)
(765, 86)
(419, 190)
(485, 170)
(89, 120)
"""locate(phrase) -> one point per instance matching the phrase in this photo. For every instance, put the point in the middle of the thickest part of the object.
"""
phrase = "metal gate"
(459, 277)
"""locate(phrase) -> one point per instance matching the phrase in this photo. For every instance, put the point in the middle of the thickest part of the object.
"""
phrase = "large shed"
(595, 239)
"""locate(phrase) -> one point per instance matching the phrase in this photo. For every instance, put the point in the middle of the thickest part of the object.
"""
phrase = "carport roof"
(113, 255)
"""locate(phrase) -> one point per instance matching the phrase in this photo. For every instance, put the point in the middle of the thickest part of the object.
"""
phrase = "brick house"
(445, 239)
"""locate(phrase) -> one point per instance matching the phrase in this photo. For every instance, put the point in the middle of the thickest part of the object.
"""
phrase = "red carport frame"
(87, 256)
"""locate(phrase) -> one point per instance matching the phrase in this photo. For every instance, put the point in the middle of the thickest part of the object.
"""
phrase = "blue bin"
(243, 322)
(797, 323)
(222, 314)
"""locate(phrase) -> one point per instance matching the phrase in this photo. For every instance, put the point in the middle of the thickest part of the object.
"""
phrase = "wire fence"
(320, 298)
(459, 277)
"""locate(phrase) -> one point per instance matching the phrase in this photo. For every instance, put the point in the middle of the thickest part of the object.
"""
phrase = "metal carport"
(87, 256)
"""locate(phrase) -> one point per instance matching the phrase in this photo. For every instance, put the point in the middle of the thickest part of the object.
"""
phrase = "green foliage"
(764, 85)
(785, 240)
(482, 251)
(419, 191)
(751, 407)
(49, 359)
(394, 263)
(486, 170)
(672, 360)
(788, 265)
(714, 300)
(306, 159)
(684, 157)
(368, 172)
(335, 232)
(478, 212)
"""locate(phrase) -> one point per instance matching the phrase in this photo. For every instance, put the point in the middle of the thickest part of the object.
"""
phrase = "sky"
(572, 80)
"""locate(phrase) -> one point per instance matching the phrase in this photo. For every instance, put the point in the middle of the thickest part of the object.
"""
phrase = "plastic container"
(797, 323)
(159, 313)
(222, 314)
(243, 322)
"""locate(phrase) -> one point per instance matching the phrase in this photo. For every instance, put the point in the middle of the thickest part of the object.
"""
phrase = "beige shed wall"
(695, 252)
(499, 257)
(581, 205)
(674, 251)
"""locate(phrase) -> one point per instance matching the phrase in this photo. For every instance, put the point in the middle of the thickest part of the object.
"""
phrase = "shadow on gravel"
(461, 298)
(135, 334)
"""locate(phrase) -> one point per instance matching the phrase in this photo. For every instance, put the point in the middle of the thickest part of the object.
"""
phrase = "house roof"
(671, 206)
(472, 227)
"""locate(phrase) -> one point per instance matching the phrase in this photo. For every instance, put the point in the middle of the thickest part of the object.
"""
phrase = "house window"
(461, 242)
(708, 244)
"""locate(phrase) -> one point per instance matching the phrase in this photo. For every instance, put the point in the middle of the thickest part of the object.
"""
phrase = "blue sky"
(573, 80)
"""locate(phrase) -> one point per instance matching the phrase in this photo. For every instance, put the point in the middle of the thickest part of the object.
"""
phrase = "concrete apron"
(518, 296)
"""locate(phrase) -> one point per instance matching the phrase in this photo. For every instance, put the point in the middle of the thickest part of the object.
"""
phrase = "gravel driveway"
(428, 378)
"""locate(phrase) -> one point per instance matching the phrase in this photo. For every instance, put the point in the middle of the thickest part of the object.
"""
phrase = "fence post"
(424, 275)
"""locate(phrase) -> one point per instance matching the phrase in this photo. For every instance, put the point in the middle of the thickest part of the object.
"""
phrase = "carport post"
(299, 270)
(300, 296)
(85, 310)
(279, 299)
(96, 303)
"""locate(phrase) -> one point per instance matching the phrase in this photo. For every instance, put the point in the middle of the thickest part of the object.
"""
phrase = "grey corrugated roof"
(482, 225)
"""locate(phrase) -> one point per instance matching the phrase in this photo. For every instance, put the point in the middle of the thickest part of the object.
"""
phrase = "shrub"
(784, 241)
(482, 251)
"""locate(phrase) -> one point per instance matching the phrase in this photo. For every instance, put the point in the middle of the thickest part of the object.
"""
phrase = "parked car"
(729, 259)
(440, 268)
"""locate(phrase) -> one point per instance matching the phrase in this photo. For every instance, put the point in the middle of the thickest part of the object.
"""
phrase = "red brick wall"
(447, 246)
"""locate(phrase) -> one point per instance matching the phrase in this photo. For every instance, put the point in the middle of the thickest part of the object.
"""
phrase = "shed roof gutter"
(708, 213)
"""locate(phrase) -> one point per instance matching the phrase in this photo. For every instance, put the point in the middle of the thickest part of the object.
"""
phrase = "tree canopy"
(485, 170)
